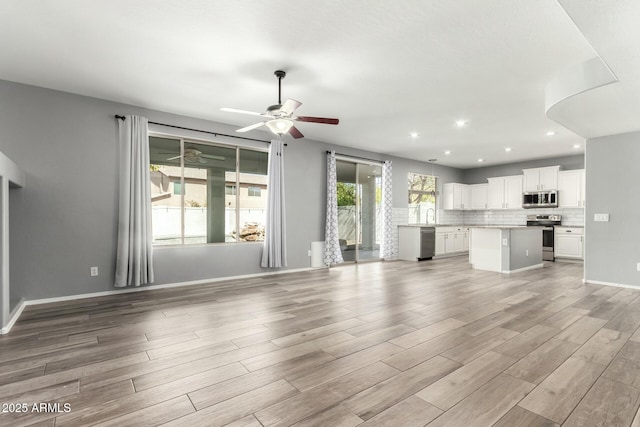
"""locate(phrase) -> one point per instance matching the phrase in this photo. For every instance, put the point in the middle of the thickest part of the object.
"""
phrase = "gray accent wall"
(521, 241)
(65, 220)
(480, 175)
(612, 249)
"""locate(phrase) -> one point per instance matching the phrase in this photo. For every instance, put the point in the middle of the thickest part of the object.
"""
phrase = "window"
(203, 204)
(177, 187)
(253, 191)
(422, 198)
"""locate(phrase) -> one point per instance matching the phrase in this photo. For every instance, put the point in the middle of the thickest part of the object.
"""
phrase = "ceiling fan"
(279, 117)
(193, 155)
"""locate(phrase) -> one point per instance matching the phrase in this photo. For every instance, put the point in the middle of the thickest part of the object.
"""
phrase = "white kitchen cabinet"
(439, 243)
(479, 194)
(537, 179)
(458, 242)
(452, 240)
(568, 242)
(571, 189)
(456, 196)
(495, 193)
(449, 243)
(505, 192)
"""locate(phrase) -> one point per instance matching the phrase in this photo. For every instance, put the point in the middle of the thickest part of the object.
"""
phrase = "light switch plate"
(505, 242)
(601, 217)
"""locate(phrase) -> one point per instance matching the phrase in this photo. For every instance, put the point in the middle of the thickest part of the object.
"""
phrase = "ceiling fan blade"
(317, 120)
(201, 160)
(234, 110)
(294, 132)
(212, 157)
(290, 106)
(248, 128)
(174, 158)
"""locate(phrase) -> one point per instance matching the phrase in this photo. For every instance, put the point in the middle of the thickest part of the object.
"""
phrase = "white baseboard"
(450, 255)
(618, 285)
(13, 317)
(531, 267)
(16, 313)
(570, 260)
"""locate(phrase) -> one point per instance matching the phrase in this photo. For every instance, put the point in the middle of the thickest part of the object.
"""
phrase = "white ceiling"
(384, 68)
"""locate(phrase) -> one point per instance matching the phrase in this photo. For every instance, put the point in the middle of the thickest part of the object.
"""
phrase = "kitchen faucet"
(434, 215)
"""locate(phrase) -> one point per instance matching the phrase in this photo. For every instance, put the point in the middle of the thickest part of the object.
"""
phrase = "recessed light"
(461, 123)
(414, 134)
(507, 149)
(576, 145)
(480, 160)
(447, 152)
(551, 133)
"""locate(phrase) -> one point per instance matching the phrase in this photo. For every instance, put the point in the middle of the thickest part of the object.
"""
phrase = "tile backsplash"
(570, 216)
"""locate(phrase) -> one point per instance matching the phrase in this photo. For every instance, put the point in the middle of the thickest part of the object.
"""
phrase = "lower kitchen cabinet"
(451, 240)
(568, 242)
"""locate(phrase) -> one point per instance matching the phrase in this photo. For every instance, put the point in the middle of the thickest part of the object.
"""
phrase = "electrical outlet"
(526, 252)
(309, 252)
(94, 271)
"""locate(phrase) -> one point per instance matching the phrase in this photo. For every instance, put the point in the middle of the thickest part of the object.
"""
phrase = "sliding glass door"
(359, 191)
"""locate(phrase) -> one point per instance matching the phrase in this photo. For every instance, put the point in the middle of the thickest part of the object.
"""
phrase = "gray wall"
(612, 249)
(65, 220)
(522, 240)
(480, 175)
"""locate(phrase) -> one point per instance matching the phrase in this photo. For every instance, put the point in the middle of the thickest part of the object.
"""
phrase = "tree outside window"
(422, 198)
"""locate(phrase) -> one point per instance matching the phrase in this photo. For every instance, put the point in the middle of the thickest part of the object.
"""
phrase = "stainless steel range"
(547, 222)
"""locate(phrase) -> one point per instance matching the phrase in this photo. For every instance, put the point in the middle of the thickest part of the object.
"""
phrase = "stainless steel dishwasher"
(427, 242)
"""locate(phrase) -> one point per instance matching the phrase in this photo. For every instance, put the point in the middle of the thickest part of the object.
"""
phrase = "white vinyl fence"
(166, 223)
(347, 224)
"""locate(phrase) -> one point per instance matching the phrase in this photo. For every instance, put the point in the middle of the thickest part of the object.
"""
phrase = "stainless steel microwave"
(540, 199)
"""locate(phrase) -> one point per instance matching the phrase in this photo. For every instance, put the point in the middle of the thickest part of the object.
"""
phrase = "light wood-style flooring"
(381, 344)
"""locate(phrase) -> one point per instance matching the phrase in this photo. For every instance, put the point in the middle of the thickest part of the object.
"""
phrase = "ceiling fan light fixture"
(279, 126)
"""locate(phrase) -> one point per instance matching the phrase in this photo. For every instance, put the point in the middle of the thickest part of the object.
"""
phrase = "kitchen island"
(505, 249)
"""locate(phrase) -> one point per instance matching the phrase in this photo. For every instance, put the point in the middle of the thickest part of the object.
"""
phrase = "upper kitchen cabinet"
(537, 179)
(479, 193)
(456, 196)
(505, 192)
(571, 191)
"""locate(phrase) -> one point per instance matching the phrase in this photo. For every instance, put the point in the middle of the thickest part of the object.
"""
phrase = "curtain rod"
(357, 157)
(117, 116)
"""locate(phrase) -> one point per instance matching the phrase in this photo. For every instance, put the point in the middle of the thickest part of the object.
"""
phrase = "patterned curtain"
(387, 249)
(332, 253)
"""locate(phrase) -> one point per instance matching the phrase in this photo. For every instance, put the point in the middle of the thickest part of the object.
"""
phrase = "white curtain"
(134, 258)
(332, 253)
(387, 250)
(274, 253)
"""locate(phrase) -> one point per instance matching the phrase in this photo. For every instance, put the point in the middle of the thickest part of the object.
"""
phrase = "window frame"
(185, 140)
(253, 188)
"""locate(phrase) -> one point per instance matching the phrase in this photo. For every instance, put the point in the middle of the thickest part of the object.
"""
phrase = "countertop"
(484, 225)
(504, 226)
